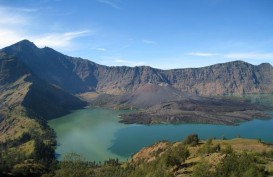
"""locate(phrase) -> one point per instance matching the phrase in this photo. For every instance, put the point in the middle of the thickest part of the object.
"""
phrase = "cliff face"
(229, 78)
(77, 75)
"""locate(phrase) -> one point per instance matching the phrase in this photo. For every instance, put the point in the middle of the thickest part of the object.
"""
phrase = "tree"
(74, 165)
(208, 147)
(176, 155)
(192, 140)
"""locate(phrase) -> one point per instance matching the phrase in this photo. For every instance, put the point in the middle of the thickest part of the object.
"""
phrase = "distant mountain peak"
(24, 45)
(25, 42)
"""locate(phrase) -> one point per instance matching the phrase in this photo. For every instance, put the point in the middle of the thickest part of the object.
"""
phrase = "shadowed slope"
(20, 87)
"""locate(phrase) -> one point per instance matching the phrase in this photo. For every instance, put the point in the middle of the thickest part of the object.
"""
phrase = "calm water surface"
(96, 133)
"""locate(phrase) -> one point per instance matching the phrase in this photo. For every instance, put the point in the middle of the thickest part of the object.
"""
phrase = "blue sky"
(160, 33)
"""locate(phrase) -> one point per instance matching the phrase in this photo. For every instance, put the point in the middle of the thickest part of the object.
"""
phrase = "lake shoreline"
(97, 134)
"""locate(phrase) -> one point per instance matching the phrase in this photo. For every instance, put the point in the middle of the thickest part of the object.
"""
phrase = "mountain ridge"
(57, 80)
(77, 75)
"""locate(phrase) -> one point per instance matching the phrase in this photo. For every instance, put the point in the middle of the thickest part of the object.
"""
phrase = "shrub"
(202, 169)
(192, 140)
(176, 155)
(208, 148)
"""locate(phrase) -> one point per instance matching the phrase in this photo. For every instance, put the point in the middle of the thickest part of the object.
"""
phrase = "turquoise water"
(89, 132)
(136, 137)
(96, 133)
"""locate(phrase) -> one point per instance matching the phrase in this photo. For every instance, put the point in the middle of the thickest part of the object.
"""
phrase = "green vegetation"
(31, 153)
(28, 147)
(244, 165)
(209, 148)
(202, 169)
(192, 140)
(191, 157)
(35, 161)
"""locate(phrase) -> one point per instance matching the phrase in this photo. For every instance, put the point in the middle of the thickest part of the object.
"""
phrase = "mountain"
(150, 94)
(69, 73)
(20, 87)
(76, 75)
(37, 84)
(47, 84)
(27, 143)
(55, 80)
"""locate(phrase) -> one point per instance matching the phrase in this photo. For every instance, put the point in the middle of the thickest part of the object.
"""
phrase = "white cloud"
(58, 39)
(202, 54)
(9, 37)
(149, 42)
(16, 25)
(111, 3)
(268, 56)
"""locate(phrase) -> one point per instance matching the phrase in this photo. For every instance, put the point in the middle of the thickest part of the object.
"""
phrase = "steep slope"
(25, 102)
(77, 75)
(20, 87)
(47, 101)
(71, 74)
(13, 86)
(121, 80)
(150, 95)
